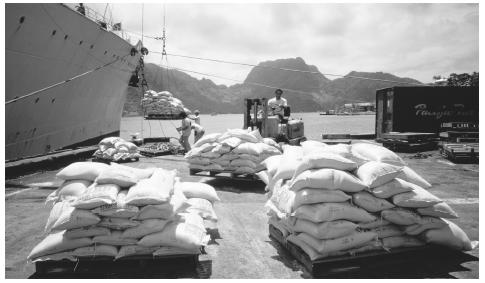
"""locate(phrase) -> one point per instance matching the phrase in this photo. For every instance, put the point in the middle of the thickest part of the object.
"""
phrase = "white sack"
(207, 139)
(97, 195)
(333, 211)
(89, 231)
(411, 176)
(155, 190)
(426, 223)
(375, 174)
(131, 250)
(338, 244)
(114, 239)
(202, 207)
(325, 230)
(69, 190)
(394, 187)
(95, 251)
(416, 198)
(401, 242)
(183, 235)
(373, 152)
(55, 243)
(146, 227)
(198, 190)
(330, 179)
(118, 223)
(167, 210)
(82, 170)
(324, 160)
(119, 209)
(438, 210)
(370, 203)
(401, 216)
(451, 236)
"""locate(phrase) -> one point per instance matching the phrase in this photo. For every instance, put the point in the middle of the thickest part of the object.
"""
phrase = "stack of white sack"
(116, 149)
(201, 198)
(237, 151)
(118, 211)
(333, 200)
(162, 103)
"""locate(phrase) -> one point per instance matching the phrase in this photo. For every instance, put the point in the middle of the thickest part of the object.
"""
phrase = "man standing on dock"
(185, 131)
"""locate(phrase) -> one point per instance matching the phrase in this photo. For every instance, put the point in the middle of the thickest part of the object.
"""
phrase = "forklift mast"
(254, 105)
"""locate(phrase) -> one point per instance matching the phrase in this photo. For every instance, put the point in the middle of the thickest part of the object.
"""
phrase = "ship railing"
(101, 20)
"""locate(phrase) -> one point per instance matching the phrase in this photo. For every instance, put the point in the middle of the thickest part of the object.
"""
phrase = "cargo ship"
(66, 76)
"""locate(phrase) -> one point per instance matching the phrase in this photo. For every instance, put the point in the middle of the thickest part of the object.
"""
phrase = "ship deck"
(244, 249)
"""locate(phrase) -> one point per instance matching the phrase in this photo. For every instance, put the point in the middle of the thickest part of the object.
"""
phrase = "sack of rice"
(88, 231)
(311, 196)
(199, 160)
(401, 216)
(118, 223)
(131, 250)
(97, 195)
(243, 163)
(388, 231)
(96, 250)
(288, 163)
(221, 149)
(370, 203)
(451, 236)
(138, 172)
(373, 152)
(324, 160)
(63, 216)
(202, 207)
(210, 138)
(416, 198)
(374, 224)
(146, 227)
(177, 234)
(198, 190)
(114, 238)
(329, 179)
(402, 242)
(411, 176)
(168, 210)
(338, 244)
(155, 190)
(82, 171)
(239, 133)
(271, 142)
(256, 135)
(55, 243)
(231, 142)
(325, 230)
(426, 223)
(312, 253)
(248, 148)
(333, 211)
(374, 174)
(116, 175)
(394, 187)
(69, 190)
(438, 210)
(119, 209)
(310, 146)
(272, 163)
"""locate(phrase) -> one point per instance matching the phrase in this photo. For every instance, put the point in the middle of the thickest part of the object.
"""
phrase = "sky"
(408, 40)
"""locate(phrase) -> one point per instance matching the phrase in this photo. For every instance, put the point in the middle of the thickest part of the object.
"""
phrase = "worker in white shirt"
(277, 104)
(198, 131)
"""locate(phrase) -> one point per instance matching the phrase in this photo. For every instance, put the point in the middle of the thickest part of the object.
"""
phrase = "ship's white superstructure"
(49, 43)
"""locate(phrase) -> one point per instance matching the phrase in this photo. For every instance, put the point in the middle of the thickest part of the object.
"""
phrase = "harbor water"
(315, 125)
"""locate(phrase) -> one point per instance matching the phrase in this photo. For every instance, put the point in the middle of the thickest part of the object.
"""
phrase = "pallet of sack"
(116, 149)
(235, 154)
(365, 262)
(336, 200)
(116, 215)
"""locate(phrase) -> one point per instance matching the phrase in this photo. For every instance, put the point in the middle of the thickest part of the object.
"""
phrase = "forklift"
(281, 129)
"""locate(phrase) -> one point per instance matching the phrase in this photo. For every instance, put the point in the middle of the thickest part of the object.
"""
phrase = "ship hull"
(50, 43)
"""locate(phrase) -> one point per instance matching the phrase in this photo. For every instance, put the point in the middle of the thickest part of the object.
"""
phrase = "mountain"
(308, 90)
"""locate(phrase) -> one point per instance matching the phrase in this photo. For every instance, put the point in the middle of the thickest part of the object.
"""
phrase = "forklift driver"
(277, 104)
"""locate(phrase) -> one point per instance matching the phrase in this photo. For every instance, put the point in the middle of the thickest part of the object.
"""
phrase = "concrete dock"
(244, 249)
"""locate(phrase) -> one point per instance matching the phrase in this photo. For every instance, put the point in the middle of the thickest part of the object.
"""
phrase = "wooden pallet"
(410, 137)
(170, 266)
(365, 263)
(403, 146)
(460, 152)
(224, 175)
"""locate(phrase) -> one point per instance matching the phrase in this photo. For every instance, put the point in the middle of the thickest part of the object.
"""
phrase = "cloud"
(412, 40)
